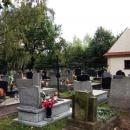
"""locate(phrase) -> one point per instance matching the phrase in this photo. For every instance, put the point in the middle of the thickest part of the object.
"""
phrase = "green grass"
(104, 105)
(9, 124)
(66, 94)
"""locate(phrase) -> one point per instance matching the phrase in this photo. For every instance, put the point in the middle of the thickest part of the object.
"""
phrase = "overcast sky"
(79, 17)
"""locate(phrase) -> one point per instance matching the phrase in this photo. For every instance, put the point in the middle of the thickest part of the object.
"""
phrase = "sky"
(81, 17)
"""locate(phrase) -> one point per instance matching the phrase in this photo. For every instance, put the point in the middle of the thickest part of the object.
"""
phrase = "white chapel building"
(118, 56)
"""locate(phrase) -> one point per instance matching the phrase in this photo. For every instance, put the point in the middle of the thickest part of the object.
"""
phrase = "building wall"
(117, 63)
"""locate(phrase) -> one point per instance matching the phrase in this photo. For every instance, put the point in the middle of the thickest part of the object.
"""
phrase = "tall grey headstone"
(30, 111)
(53, 79)
(36, 79)
(120, 93)
(29, 92)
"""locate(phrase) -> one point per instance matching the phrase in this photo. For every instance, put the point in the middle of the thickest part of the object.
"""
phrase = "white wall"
(117, 63)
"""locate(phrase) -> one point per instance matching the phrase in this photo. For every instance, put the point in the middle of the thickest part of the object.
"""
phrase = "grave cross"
(57, 74)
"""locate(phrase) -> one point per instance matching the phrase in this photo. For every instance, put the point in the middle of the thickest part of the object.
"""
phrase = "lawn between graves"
(104, 113)
(8, 123)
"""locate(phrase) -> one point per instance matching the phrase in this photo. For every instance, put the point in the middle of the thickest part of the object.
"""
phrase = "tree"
(4, 3)
(99, 45)
(73, 53)
(86, 40)
(48, 58)
(29, 29)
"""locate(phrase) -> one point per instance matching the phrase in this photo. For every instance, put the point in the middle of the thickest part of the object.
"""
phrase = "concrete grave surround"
(36, 116)
(120, 94)
(45, 122)
(86, 86)
(84, 112)
(30, 111)
(101, 95)
(49, 91)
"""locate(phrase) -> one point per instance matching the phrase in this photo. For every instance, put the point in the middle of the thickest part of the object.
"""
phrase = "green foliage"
(28, 33)
(28, 36)
(89, 53)
(105, 114)
(99, 45)
(5, 3)
(73, 53)
(66, 94)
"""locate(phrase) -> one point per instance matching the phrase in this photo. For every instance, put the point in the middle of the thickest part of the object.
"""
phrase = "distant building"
(118, 56)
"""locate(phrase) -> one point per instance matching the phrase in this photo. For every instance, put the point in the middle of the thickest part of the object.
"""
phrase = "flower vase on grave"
(48, 104)
(48, 112)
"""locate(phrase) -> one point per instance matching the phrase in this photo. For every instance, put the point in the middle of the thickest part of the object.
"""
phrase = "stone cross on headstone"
(29, 91)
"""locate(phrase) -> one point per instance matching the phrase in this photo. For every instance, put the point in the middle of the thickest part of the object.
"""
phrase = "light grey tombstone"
(101, 95)
(29, 94)
(82, 85)
(70, 75)
(120, 94)
(63, 74)
(30, 112)
(36, 79)
(53, 79)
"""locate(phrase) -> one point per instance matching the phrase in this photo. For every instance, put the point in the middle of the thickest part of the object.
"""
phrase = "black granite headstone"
(106, 83)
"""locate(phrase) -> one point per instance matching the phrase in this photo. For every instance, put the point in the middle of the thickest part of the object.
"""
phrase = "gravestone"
(70, 75)
(78, 71)
(92, 72)
(84, 110)
(29, 93)
(37, 79)
(86, 86)
(106, 82)
(120, 94)
(83, 77)
(82, 85)
(30, 111)
(53, 79)
(81, 105)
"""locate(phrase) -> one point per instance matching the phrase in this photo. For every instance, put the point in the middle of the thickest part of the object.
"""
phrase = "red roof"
(117, 53)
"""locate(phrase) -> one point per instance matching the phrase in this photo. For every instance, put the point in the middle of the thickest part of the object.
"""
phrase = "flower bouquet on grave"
(48, 104)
